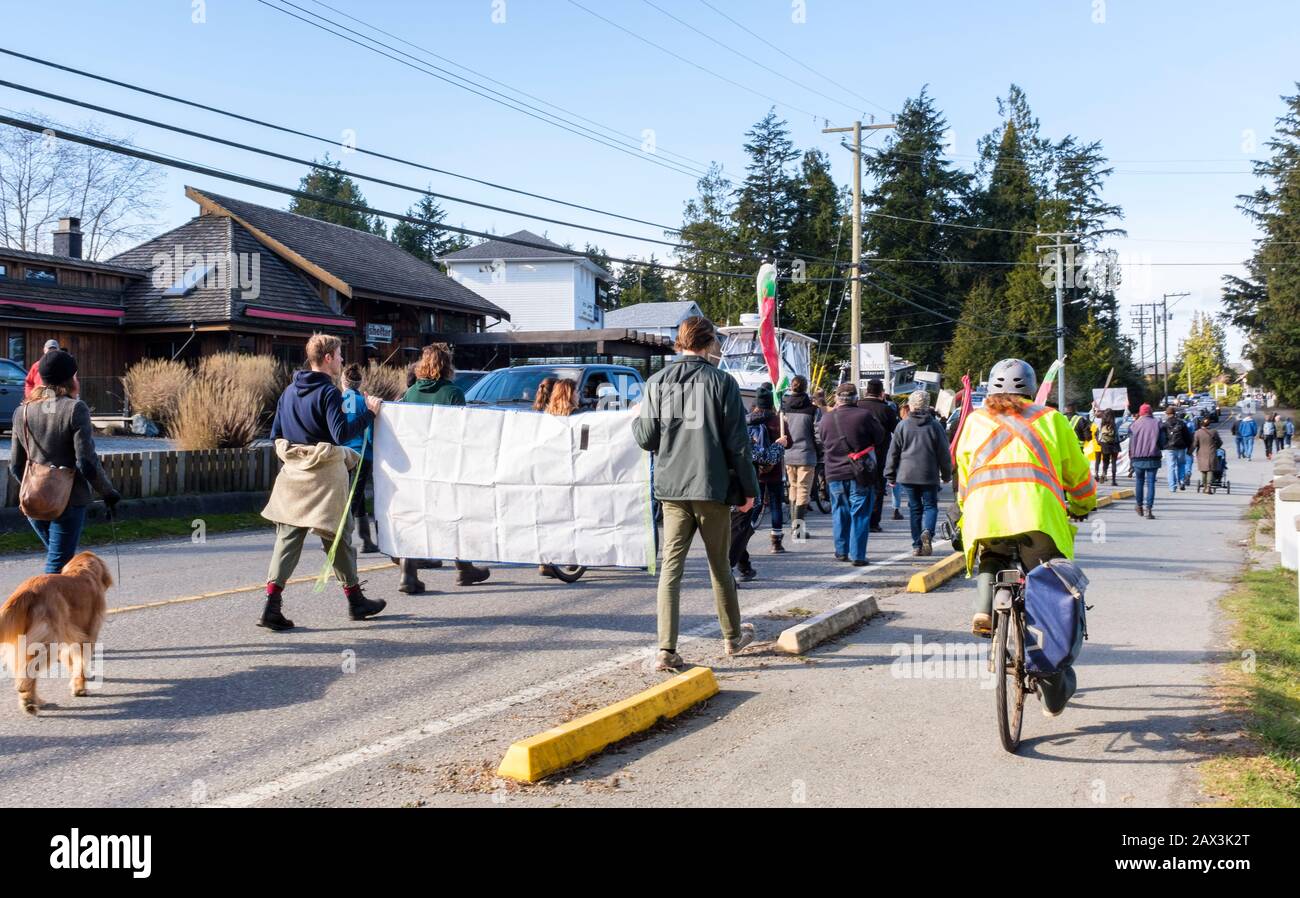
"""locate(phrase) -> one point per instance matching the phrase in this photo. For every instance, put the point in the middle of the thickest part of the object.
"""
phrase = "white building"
(543, 286)
(662, 318)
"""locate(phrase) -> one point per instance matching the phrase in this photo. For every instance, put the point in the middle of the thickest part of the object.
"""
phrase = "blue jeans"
(60, 536)
(1144, 472)
(1241, 447)
(897, 496)
(1176, 460)
(851, 517)
(1250, 446)
(772, 495)
(923, 503)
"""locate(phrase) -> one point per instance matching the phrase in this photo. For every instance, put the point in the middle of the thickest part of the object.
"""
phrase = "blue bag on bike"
(1055, 624)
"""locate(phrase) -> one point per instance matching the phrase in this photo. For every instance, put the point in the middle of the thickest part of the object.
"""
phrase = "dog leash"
(112, 524)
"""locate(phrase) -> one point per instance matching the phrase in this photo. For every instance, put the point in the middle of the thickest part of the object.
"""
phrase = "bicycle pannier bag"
(1055, 624)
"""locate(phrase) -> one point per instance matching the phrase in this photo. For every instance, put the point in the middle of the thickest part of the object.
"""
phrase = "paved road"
(416, 707)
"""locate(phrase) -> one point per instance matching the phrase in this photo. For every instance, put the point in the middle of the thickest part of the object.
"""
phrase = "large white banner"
(481, 484)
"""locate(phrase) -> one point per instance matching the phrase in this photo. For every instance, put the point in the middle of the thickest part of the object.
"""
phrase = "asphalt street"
(416, 707)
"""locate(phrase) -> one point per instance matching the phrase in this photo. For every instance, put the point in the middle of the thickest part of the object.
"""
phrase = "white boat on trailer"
(742, 354)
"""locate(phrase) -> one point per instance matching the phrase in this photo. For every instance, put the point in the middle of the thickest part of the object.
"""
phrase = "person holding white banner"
(693, 420)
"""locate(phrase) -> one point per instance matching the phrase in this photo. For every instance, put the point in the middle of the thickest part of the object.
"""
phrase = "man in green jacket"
(693, 420)
(433, 386)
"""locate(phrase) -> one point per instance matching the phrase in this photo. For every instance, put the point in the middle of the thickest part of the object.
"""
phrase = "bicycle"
(1007, 661)
(819, 490)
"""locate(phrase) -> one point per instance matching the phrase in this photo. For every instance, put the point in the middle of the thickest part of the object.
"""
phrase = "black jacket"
(887, 419)
(845, 429)
(1177, 436)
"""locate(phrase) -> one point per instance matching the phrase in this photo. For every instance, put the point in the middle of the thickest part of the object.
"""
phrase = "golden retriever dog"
(54, 615)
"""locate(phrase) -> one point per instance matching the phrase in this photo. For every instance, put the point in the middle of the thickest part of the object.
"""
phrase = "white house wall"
(538, 295)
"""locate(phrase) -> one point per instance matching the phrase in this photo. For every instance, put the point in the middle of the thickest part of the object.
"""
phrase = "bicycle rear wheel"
(569, 573)
(820, 491)
(1008, 667)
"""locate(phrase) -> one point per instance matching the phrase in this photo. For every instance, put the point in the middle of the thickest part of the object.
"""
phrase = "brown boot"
(411, 584)
(468, 575)
(777, 548)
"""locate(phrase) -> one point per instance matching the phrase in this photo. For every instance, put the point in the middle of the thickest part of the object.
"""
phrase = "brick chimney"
(67, 239)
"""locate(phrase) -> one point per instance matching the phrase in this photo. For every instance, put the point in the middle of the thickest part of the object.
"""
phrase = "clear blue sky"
(1171, 88)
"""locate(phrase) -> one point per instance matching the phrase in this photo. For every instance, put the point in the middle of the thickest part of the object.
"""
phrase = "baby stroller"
(1218, 474)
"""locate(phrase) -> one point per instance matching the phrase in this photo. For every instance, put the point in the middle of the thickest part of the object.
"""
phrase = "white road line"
(320, 770)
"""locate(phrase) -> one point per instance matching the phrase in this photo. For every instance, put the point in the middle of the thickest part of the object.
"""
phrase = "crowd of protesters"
(718, 466)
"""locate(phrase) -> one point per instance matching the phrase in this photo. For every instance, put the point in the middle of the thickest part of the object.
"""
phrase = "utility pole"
(1164, 313)
(1059, 249)
(1140, 319)
(855, 285)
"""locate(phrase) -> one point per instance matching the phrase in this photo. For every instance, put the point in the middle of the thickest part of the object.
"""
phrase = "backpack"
(1107, 434)
(1055, 624)
(767, 454)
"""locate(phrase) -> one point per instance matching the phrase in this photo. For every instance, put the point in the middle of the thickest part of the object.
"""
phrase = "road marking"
(337, 764)
(231, 592)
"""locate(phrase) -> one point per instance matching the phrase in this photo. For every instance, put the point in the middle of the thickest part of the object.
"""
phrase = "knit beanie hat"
(57, 367)
(919, 401)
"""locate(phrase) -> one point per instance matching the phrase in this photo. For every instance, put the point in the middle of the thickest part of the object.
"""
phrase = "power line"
(694, 163)
(185, 165)
(508, 102)
(315, 165)
(328, 140)
(731, 253)
(760, 37)
(645, 40)
(744, 56)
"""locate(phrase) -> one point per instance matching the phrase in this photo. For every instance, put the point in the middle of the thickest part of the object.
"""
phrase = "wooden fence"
(139, 475)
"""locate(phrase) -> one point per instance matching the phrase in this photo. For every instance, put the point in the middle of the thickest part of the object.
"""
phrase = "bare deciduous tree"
(43, 179)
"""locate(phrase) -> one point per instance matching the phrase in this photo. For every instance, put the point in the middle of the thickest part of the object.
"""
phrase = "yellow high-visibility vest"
(1018, 473)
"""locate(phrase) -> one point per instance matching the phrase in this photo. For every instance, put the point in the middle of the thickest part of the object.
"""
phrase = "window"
(189, 280)
(11, 375)
(18, 347)
(4, 271)
(42, 275)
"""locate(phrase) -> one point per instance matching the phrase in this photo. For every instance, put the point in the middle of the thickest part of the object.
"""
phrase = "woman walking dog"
(53, 457)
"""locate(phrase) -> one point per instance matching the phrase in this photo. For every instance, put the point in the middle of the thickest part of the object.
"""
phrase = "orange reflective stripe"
(1083, 490)
(997, 440)
(998, 475)
(1030, 438)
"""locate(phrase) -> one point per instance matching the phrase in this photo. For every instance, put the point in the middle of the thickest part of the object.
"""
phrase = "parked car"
(599, 386)
(467, 379)
(12, 380)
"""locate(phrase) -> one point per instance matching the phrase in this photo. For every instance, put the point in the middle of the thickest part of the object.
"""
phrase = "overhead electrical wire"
(645, 40)
(333, 142)
(501, 99)
(694, 163)
(745, 56)
(209, 171)
(757, 36)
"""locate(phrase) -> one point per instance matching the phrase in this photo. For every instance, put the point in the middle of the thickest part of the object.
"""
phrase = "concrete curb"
(938, 573)
(801, 637)
(532, 759)
(1126, 492)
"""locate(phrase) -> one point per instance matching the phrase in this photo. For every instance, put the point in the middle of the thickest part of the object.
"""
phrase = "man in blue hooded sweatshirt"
(311, 411)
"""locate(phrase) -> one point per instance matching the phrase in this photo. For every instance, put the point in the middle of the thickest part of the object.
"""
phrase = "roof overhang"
(52, 308)
(211, 207)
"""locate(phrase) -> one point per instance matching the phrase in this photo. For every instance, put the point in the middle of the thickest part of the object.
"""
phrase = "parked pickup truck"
(599, 386)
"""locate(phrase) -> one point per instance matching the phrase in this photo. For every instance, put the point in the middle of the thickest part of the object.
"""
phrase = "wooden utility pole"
(855, 285)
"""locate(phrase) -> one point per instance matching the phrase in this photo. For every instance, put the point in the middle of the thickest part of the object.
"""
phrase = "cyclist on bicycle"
(1022, 476)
